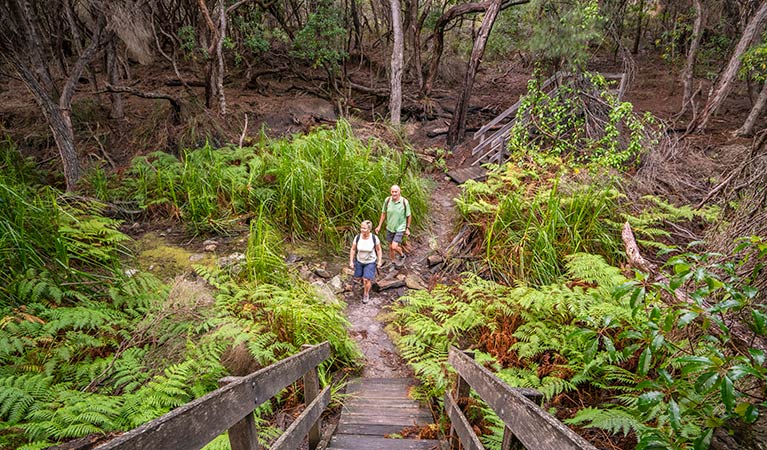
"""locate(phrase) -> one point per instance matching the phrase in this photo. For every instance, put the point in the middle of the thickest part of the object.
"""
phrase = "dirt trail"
(368, 321)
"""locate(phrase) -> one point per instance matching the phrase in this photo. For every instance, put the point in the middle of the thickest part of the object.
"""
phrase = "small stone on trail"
(433, 260)
(387, 284)
(231, 260)
(322, 273)
(130, 272)
(210, 245)
(414, 282)
(196, 257)
(293, 258)
(336, 284)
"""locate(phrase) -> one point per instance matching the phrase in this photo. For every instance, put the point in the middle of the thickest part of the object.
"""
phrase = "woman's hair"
(367, 224)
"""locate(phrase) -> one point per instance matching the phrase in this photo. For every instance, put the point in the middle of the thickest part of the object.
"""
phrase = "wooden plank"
(191, 426)
(311, 390)
(534, 427)
(461, 426)
(304, 423)
(398, 420)
(370, 429)
(243, 435)
(345, 441)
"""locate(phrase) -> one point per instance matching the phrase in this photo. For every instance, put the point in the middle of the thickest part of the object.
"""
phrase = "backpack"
(357, 238)
(386, 203)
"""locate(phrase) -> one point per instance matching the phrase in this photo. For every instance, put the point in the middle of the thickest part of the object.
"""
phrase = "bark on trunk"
(725, 83)
(638, 34)
(397, 55)
(748, 126)
(458, 126)
(113, 74)
(692, 54)
(220, 57)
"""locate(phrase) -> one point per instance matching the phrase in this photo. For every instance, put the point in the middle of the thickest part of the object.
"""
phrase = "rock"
(336, 284)
(131, 272)
(210, 245)
(433, 260)
(305, 273)
(387, 284)
(196, 257)
(413, 281)
(322, 273)
(325, 292)
(231, 260)
(347, 271)
(293, 258)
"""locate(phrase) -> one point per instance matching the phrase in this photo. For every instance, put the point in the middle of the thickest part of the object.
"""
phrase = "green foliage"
(562, 31)
(284, 318)
(755, 62)
(320, 41)
(319, 186)
(49, 239)
(581, 122)
(666, 371)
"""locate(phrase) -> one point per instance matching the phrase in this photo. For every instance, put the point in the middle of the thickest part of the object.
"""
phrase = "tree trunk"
(220, 57)
(458, 125)
(692, 54)
(638, 34)
(113, 75)
(439, 34)
(748, 126)
(397, 55)
(724, 85)
(439, 38)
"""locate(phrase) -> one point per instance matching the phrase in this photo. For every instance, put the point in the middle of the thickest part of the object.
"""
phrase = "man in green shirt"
(396, 212)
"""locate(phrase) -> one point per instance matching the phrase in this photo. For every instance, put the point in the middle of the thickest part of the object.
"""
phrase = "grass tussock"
(318, 186)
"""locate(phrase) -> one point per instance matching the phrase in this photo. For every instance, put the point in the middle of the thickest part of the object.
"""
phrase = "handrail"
(193, 425)
(526, 423)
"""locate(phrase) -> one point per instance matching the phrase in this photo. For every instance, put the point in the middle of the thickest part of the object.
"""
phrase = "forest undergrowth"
(630, 358)
(91, 348)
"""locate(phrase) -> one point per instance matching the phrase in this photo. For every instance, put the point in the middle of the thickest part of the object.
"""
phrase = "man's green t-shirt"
(396, 214)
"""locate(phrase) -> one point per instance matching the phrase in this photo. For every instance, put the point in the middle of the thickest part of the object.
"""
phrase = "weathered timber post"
(510, 442)
(461, 391)
(311, 391)
(243, 435)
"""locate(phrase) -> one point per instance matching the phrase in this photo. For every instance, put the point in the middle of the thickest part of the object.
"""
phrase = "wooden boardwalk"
(375, 408)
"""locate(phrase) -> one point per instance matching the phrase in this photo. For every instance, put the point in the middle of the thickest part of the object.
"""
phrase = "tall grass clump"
(50, 239)
(317, 186)
(531, 215)
(328, 181)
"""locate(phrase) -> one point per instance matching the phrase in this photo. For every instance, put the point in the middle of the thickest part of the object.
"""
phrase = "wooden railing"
(230, 407)
(527, 425)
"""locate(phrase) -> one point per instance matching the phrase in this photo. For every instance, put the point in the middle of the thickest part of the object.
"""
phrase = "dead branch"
(174, 102)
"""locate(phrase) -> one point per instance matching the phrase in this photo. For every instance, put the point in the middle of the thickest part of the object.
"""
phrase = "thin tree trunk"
(748, 126)
(220, 57)
(397, 56)
(692, 54)
(113, 74)
(725, 84)
(638, 34)
(458, 126)
(439, 34)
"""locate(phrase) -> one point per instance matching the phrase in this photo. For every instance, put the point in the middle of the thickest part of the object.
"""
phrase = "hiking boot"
(365, 298)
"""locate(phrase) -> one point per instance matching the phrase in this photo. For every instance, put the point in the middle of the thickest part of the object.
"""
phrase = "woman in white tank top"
(365, 257)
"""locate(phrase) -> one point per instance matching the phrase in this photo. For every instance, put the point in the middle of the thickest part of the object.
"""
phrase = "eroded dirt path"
(368, 321)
